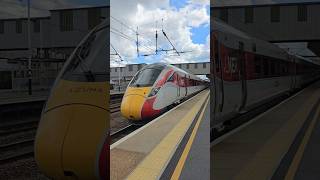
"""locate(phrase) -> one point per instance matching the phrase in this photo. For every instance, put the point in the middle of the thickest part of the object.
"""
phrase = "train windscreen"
(89, 61)
(145, 77)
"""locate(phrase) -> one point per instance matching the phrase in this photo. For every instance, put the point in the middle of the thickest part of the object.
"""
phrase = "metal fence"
(15, 77)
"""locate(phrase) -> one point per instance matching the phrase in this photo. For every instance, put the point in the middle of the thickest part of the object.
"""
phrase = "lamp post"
(29, 53)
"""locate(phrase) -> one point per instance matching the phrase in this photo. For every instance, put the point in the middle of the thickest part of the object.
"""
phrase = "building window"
(94, 17)
(187, 66)
(302, 13)
(248, 15)
(66, 20)
(1, 27)
(204, 65)
(275, 13)
(130, 67)
(115, 69)
(36, 25)
(254, 47)
(196, 66)
(179, 65)
(257, 65)
(19, 26)
(224, 15)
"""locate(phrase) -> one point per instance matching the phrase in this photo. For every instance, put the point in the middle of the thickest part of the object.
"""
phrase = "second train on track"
(155, 88)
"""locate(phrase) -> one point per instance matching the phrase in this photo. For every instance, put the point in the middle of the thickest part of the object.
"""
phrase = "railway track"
(115, 107)
(17, 127)
(17, 150)
(117, 135)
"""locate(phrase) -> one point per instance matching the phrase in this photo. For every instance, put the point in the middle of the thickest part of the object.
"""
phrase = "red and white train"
(248, 72)
(155, 88)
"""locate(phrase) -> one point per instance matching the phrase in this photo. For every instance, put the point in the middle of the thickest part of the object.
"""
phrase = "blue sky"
(199, 34)
(178, 3)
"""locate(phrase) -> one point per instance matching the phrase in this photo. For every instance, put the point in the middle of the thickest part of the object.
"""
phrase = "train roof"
(161, 65)
(230, 36)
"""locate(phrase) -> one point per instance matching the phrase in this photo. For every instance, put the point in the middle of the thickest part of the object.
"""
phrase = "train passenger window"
(145, 77)
(265, 67)
(257, 63)
(272, 68)
(254, 47)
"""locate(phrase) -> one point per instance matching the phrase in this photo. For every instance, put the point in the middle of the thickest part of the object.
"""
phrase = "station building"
(277, 22)
(53, 38)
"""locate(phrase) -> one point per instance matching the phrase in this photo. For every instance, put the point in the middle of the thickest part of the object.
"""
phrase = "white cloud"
(147, 15)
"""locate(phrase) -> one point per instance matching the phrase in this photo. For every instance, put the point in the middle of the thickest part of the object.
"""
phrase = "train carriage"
(155, 88)
(248, 72)
(72, 140)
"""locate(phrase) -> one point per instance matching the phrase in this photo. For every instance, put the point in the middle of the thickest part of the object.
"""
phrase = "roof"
(244, 3)
(24, 18)
(48, 16)
(78, 8)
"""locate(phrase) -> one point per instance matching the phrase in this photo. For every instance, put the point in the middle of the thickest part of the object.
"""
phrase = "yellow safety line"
(177, 172)
(298, 156)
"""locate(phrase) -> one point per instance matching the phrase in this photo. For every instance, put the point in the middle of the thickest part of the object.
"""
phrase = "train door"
(292, 73)
(178, 88)
(186, 84)
(170, 91)
(242, 63)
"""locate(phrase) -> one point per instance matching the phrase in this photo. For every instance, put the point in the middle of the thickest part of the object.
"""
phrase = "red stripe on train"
(147, 109)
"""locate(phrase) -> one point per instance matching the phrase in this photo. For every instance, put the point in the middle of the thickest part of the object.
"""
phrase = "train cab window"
(171, 78)
(89, 62)
(145, 77)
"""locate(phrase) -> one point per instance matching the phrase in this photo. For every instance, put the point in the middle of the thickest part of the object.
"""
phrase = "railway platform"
(281, 143)
(174, 145)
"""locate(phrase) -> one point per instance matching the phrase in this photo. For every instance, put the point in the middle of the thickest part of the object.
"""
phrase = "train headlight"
(154, 91)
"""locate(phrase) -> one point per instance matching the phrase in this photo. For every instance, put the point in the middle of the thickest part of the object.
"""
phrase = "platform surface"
(260, 150)
(145, 154)
(197, 165)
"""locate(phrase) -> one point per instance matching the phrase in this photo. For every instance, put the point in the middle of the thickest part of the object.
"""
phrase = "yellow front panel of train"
(133, 101)
(72, 129)
(83, 140)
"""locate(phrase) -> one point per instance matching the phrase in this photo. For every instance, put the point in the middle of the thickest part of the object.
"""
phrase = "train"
(155, 88)
(72, 139)
(248, 72)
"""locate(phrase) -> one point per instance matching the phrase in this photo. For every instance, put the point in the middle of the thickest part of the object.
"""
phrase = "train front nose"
(132, 102)
(71, 140)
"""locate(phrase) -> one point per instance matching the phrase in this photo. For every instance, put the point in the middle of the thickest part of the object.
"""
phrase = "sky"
(39, 8)
(185, 22)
